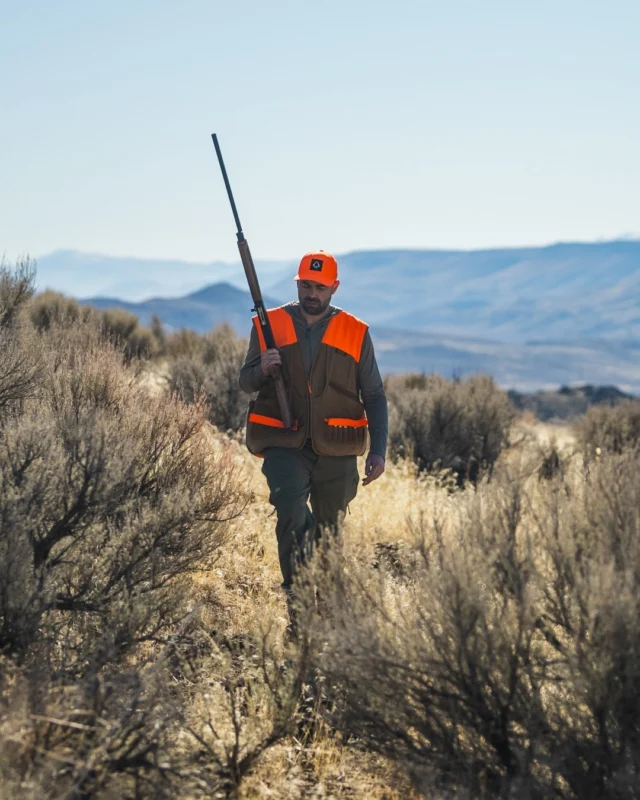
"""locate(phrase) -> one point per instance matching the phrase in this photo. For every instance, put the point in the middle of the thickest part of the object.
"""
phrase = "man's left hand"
(373, 468)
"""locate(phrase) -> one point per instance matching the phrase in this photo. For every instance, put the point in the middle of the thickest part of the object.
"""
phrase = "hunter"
(335, 393)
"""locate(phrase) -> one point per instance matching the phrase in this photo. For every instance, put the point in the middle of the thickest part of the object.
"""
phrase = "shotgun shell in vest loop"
(319, 267)
(341, 422)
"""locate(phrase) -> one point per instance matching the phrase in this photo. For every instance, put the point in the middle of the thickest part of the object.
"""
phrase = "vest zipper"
(309, 408)
(311, 363)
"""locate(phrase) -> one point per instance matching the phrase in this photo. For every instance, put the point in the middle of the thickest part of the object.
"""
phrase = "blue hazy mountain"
(564, 291)
(131, 279)
(532, 317)
(200, 311)
(527, 367)
(560, 292)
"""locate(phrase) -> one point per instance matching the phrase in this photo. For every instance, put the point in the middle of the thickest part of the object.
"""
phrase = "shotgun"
(256, 294)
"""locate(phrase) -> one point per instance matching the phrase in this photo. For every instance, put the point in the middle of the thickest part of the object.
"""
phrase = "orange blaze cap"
(320, 267)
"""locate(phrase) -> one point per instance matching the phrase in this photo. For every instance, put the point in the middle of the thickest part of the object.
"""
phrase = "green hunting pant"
(295, 477)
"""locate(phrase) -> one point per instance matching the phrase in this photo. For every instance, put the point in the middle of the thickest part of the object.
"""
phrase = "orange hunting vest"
(326, 405)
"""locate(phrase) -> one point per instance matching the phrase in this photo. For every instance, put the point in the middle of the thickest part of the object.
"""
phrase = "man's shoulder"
(290, 308)
(353, 317)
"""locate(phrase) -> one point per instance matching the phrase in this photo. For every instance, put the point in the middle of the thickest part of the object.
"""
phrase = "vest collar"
(294, 310)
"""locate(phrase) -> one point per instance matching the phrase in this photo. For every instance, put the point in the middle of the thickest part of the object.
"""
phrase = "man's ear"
(334, 288)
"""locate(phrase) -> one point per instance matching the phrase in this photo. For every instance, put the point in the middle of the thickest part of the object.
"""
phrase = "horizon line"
(622, 239)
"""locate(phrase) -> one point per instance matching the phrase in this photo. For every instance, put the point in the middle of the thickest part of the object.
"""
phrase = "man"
(335, 393)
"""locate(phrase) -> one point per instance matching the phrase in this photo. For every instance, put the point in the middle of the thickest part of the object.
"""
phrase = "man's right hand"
(270, 361)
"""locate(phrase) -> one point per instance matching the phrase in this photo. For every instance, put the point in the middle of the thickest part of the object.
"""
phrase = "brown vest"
(326, 408)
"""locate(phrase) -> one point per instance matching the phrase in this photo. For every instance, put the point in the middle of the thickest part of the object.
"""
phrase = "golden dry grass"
(244, 590)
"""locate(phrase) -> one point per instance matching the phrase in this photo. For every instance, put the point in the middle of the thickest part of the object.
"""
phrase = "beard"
(313, 306)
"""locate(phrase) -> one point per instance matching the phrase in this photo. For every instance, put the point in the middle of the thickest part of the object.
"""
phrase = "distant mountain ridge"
(525, 367)
(533, 318)
(200, 311)
(567, 403)
(133, 279)
(563, 291)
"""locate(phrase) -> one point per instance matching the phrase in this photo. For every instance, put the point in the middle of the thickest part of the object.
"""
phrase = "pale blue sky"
(345, 125)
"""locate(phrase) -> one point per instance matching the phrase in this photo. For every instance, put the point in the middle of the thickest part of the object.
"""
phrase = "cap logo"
(316, 265)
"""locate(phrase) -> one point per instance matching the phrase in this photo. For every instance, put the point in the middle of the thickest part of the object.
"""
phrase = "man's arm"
(252, 378)
(375, 405)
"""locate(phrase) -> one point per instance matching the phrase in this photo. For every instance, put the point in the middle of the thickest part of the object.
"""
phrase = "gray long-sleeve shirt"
(309, 337)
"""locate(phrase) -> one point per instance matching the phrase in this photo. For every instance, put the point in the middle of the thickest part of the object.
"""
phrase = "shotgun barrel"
(256, 294)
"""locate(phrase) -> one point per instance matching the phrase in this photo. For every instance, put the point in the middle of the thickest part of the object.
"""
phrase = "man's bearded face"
(314, 297)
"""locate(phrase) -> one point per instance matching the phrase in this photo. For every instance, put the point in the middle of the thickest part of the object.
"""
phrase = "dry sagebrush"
(210, 364)
(441, 424)
(110, 500)
(484, 640)
(51, 310)
(606, 429)
(18, 357)
(106, 497)
(505, 660)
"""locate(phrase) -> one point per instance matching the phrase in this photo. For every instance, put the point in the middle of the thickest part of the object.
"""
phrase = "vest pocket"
(266, 429)
(270, 422)
(341, 436)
